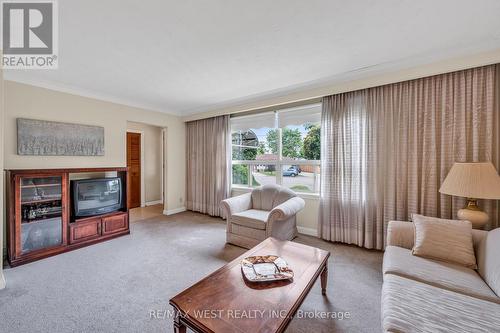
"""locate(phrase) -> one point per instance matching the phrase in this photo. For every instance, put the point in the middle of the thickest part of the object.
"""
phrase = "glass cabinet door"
(41, 212)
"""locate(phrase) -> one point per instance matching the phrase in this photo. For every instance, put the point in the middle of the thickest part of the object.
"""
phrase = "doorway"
(134, 153)
(145, 153)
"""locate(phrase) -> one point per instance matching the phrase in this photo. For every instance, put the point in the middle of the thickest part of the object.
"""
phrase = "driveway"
(303, 179)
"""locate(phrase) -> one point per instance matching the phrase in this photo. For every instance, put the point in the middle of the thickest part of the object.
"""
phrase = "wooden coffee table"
(225, 302)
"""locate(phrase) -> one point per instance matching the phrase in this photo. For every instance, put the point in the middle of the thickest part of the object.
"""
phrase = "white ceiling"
(189, 56)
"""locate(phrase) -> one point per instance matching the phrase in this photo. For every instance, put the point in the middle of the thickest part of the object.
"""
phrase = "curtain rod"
(277, 107)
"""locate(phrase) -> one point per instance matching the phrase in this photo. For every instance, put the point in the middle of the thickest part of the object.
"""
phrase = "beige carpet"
(116, 286)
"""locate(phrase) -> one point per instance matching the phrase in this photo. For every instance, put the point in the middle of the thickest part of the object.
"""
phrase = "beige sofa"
(422, 295)
(267, 211)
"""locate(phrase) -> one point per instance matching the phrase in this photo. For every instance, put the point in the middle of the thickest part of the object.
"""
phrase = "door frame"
(163, 132)
(143, 188)
(163, 162)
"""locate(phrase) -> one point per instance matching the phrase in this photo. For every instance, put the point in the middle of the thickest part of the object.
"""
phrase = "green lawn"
(300, 188)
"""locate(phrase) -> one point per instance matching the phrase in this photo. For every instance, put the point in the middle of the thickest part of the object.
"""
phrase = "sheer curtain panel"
(386, 150)
(208, 160)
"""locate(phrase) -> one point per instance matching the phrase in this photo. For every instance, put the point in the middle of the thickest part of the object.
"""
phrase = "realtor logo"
(29, 34)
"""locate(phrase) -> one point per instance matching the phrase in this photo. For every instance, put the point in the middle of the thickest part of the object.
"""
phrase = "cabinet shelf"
(39, 201)
(38, 220)
(40, 185)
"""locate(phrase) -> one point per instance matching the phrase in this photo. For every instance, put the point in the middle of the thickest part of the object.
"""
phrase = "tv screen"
(96, 196)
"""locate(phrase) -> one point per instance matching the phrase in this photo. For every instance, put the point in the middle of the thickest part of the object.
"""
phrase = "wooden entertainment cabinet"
(40, 223)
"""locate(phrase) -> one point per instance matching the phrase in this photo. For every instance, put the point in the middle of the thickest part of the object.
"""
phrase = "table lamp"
(472, 181)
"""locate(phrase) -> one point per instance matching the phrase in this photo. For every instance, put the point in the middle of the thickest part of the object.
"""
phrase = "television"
(96, 196)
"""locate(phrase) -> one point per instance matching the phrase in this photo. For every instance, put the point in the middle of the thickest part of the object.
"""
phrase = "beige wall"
(38, 103)
(307, 219)
(2, 192)
(152, 168)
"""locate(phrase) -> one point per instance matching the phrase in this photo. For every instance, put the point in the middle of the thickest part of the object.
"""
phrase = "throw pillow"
(446, 240)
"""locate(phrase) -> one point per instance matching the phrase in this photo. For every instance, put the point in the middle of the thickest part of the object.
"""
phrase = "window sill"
(314, 196)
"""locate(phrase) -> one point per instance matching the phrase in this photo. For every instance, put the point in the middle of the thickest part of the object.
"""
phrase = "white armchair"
(268, 211)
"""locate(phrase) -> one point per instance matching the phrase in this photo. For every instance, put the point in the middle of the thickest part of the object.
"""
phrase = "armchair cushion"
(252, 218)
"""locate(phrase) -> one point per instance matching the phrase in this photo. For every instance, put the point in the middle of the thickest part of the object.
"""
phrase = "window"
(280, 147)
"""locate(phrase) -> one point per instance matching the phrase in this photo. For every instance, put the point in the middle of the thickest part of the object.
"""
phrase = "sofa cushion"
(400, 261)
(488, 253)
(441, 239)
(252, 218)
(411, 306)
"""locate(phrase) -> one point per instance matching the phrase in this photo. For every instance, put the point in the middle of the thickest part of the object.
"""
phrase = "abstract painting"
(50, 138)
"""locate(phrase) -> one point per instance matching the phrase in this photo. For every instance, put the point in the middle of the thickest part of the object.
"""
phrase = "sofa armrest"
(400, 233)
(236, 204)
(287, 209)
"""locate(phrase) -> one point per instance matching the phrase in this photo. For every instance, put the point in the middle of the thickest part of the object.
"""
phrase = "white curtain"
(208, 144)
(386, 150)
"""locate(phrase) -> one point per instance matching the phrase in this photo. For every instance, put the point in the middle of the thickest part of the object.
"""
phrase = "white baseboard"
(308, 231)
(151, 203)
(174, 211)
(2, 280)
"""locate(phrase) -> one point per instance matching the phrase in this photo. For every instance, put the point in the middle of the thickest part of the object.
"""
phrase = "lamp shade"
(472, 180)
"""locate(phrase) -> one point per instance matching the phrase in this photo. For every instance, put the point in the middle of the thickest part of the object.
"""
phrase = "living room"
(281, 166)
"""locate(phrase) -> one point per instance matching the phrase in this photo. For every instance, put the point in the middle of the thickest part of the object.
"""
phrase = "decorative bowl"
(265, 268)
